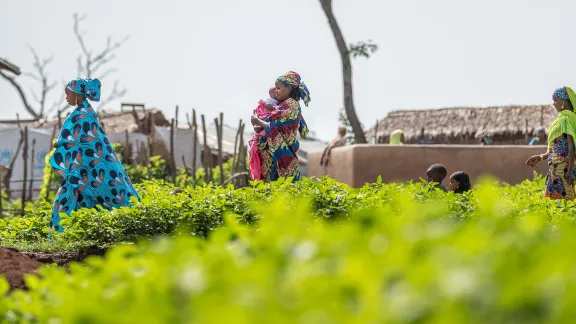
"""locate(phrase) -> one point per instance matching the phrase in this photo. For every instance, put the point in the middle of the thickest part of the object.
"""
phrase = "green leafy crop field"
(312, 252)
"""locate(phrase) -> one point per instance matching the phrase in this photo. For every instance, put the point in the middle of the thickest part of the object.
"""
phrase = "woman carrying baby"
(277, 148)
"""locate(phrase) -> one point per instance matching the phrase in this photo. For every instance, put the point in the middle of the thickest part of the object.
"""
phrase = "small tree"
(37, 110)
(344, 121)
(91, 64)
(360, 49)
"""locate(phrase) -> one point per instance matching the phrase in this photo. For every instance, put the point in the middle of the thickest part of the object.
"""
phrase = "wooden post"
(188, 121)
(176, 115)
(235, 154)
(150, 136)
(54, 130)
(33, 155)
(194, 145)
(219, 137)
(127, 151)
(242, 158)
(59, 119)
(25, 158)
(172, 158)
(376, 132)
(207, 163)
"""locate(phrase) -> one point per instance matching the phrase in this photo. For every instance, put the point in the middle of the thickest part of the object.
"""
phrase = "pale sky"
(223, 55)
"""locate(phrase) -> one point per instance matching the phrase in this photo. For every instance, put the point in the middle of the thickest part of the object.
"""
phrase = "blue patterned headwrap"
(89, 88)
(561, 93)
(293, 79)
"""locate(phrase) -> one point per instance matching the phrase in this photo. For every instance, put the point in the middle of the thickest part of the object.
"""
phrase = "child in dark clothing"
(460, 182)
(437, 173)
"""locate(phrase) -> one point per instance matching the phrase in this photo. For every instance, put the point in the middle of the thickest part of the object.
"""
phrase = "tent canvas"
(9, 144)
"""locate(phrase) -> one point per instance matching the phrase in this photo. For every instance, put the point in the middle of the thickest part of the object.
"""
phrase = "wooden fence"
(239, 174)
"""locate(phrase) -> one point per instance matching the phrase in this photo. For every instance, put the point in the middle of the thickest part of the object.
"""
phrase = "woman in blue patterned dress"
(92, 173)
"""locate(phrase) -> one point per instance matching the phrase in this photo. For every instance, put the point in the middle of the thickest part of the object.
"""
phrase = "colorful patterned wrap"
(92, 173)
(255, 163)
(558, 150)
(277, 149)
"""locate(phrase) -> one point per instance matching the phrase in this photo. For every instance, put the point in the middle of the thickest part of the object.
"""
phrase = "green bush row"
(198, 211)
(317, 252)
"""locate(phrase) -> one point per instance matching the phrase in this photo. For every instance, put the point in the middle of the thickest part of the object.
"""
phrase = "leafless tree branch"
(77, 20)
(88, 63)
(59, 104)
(106, 73)
(40, 75)
(116, 93)
(18, 88)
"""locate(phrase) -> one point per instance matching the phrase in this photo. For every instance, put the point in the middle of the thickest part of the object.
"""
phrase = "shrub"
(319, 252)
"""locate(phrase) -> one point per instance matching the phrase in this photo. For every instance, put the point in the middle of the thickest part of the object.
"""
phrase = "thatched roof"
(114, 122)
(454, 122)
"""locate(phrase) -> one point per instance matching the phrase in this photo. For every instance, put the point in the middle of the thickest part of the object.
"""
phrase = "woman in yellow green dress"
(560, 154)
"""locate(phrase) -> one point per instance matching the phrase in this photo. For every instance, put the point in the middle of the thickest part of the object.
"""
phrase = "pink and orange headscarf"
(293, 79)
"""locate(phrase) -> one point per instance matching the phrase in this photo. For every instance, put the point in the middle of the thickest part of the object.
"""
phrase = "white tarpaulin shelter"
(183, 145)
(8, 145)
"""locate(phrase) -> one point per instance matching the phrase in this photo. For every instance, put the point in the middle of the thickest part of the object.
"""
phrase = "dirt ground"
(14, 265)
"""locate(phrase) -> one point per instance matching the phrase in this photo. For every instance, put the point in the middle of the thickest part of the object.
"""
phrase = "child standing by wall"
(460, 182)
(437, 173)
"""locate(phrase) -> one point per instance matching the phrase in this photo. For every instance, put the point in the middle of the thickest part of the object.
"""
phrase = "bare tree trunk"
(359, 136)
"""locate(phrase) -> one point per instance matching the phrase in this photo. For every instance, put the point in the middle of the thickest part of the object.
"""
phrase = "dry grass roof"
(454, 122)
(114, 122)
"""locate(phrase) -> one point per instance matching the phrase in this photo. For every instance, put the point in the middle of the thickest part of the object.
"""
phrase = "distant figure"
(338, 141)
(436, 173)
(397, 137)
(560, 154)
(485, 139)
(540, 138)
(460, 182)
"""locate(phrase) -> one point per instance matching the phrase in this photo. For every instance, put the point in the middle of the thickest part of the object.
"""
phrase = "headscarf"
(293, 79)
(561, 93)
(571, 95)
(396, 137)
(89, 88)
(464, 181)
(566, 121)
